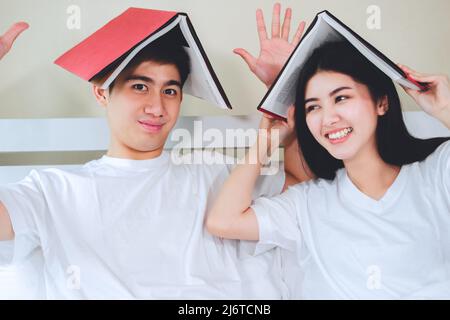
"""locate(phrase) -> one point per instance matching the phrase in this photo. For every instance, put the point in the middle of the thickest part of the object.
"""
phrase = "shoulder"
(54, 175)
(44, 181)
(434, 170)
(203, 162)
(442, 152)
(438, 160)
(319, 184)
(314, 190)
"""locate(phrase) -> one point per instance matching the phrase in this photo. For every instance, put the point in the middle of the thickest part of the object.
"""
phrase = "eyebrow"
(331, 94)
(150, 80)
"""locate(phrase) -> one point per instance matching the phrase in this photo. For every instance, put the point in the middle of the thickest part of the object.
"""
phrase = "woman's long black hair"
(395, 145)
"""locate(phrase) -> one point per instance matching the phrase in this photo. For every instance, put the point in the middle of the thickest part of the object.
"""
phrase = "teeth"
(340, 134)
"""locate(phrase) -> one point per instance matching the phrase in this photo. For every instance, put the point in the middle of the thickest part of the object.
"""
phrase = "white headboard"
(91, 134)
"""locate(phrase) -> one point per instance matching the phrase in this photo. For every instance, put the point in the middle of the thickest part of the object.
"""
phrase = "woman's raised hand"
(274, 50)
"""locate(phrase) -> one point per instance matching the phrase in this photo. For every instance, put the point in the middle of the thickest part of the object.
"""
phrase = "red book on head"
(112, 41)
(124, 36)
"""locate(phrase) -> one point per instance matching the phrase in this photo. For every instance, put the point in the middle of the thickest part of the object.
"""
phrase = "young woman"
(375, 221)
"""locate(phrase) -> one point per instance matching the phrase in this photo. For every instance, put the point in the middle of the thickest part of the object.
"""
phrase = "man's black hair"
(163, 50)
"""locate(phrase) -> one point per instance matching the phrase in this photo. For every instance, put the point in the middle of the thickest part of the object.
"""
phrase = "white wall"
(413, 32)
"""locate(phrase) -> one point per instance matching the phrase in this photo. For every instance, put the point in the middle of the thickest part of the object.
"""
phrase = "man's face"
(142, 109)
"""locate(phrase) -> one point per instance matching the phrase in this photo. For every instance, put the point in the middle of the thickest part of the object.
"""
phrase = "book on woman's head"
(325, 28)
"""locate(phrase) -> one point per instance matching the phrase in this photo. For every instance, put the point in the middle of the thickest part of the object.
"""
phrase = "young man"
(131, 224)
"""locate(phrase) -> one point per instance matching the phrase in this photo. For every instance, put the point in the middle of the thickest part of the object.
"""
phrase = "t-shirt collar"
(351, 194)
(159, 161)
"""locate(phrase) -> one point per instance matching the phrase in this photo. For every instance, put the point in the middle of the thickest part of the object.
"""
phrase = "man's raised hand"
(7, 39)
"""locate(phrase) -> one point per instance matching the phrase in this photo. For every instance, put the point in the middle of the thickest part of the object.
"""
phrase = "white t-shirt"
(125, 229)
(341, 244)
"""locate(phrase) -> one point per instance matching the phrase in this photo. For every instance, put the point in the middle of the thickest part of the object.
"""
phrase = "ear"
(101, 95)
(382, 106)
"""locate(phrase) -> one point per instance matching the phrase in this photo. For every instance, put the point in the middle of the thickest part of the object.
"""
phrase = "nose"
(330, 116)
(154, 105)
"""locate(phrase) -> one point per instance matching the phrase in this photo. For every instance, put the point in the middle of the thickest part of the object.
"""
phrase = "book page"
(375, 59)
(199, 82)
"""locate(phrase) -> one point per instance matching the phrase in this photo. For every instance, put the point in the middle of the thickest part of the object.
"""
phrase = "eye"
(340, 98)
(311, 107)
(139, 87)
(170, 92)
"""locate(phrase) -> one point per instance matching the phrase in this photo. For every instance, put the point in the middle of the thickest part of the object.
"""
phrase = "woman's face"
(341, 114)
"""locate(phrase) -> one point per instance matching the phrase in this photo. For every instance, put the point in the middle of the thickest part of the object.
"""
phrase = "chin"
(342, 157)
(342, 154)
(151, 148)
(147, 146)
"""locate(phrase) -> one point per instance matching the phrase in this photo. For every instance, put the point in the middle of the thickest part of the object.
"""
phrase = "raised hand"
(273, 132)
(274, 51)
(436, 100)
(7, 40)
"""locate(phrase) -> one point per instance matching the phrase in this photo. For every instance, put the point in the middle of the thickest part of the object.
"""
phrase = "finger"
(431, 80)
(265, 122)
(268, 116)
(424, 78)
(261, 25)
(290, 117)
(286, 24)
(248, 58)
(13, 32)
(276, 21)
(298, 35)
(411, 71)
(406, 69)
(413, 93)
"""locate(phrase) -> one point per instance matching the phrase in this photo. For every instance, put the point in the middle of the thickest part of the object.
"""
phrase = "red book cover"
(112, 41)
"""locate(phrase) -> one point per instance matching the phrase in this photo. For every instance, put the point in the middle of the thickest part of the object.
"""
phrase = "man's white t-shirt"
(125, 229)
(341, 244)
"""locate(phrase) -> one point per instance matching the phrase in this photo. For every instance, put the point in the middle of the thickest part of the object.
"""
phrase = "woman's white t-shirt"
(342, 244)
(125, 229)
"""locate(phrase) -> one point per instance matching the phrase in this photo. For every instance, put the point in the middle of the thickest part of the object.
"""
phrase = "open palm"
(274, 51)
(7, 40)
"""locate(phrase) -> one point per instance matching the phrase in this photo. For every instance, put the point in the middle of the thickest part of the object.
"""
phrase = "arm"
(274, 52)
(6, 229)
(436, 100)
(295, 166)
(6, 42)
(230, 216)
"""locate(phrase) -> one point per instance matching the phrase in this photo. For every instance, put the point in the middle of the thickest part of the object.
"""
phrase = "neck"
(295, 165)
(370, 174)
(117, 150)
